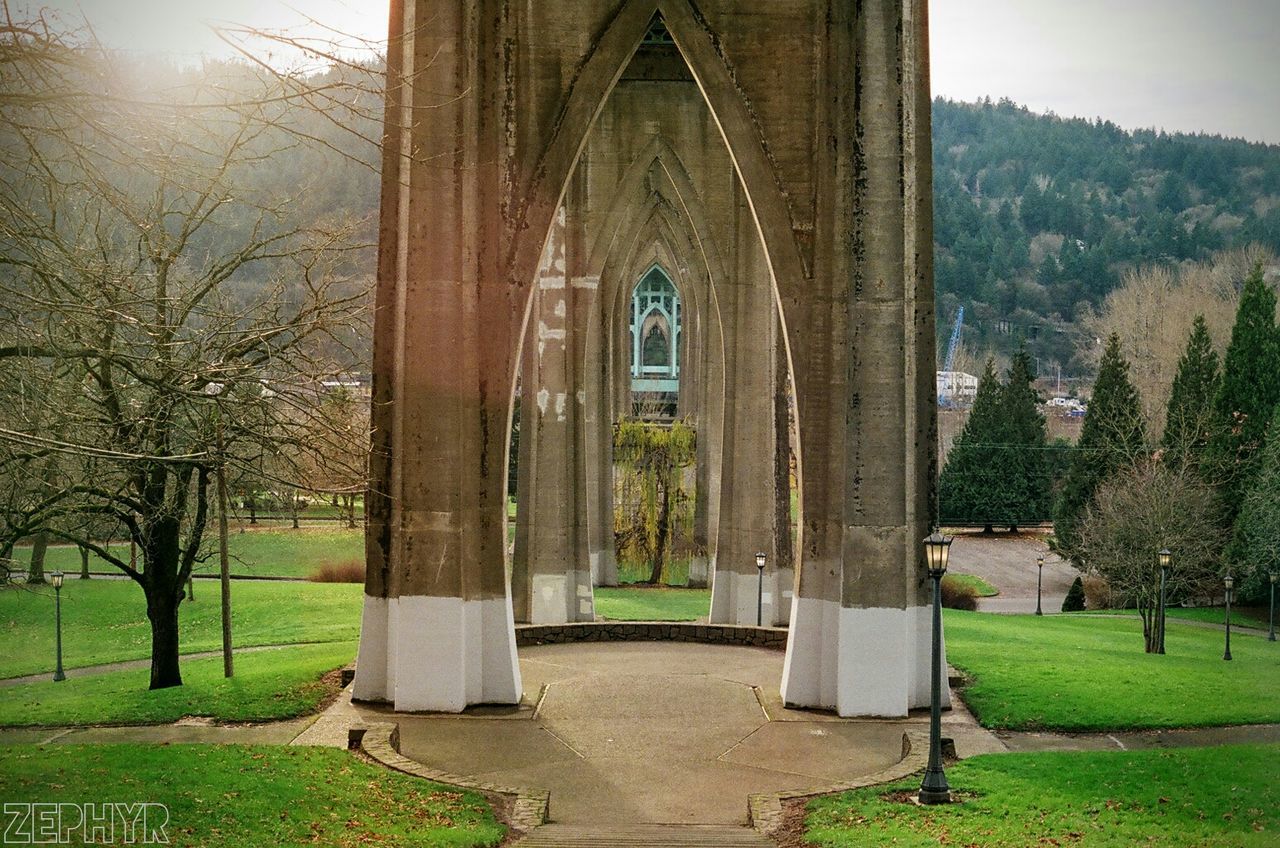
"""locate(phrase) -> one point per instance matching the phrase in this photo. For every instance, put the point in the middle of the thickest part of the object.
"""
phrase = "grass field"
(253, 797)
(675, 574)
(275, 552)
(652, 604)
(268, 685)
(981, 588)
(1090, 673)
(106, 621)
(1185, 797)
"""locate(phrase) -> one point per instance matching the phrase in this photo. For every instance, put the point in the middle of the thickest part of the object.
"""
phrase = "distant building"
(957, 387)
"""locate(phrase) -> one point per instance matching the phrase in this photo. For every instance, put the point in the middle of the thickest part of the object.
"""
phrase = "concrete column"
(860, 631)
(437, 629)
(597, 440)
(747, 504)
(550, 570)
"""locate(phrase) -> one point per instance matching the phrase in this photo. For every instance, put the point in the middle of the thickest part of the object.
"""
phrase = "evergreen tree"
(1255, 546)
(1023, 465)
(1074, 601)
(996, 471)
(1247, 394)
(1112, 437)
(969, 482)
(1186, 429)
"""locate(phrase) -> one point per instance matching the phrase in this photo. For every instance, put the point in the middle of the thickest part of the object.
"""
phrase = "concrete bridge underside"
(541, 159)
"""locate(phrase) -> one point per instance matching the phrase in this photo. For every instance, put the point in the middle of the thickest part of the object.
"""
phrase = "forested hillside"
(1038, 217)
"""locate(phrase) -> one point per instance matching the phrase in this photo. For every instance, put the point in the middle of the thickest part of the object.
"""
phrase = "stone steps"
(643, 836)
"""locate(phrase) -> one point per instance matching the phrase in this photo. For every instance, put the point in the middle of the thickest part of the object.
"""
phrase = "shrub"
(351, 571)
(958, 595)
(1074, 601)
(1097, 592)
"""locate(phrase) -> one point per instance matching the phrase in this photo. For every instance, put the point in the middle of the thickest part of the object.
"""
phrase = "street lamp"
(1164, 558)
(56, 580)
(1039, 581)
(760, 560)
(1271, 632)
(934, 789)
(1230, 583)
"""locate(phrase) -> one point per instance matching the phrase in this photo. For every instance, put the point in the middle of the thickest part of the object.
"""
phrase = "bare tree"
(1152, 311)
(151, 293)
(1137, 512)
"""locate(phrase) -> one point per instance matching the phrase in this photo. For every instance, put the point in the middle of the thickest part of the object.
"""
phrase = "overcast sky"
(1193, 65)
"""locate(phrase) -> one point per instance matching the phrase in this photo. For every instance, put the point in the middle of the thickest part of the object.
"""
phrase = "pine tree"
(1024, 463)
(1074, 601)
(1186, 429)
(1255, 546)
(1112, 437)
(969, 483)
(996, 472)
(1247, 394)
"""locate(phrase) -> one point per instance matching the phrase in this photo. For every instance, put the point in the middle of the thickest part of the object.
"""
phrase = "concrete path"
(652, 733)
(133, 665)
(644, 836)
(186, 731)
(1140, 739)
(1008, 562)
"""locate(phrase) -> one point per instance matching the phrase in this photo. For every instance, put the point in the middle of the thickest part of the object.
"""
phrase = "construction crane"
(952, 346)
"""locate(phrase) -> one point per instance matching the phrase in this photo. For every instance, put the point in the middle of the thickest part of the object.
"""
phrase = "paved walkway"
(1140, 739)
(652, 733)
(133, 665)
(1008, 562)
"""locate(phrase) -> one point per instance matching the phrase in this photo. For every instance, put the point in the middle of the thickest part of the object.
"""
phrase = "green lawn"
(981, 588)
(106, 620)
(1090, 673)
(253, 797)
(656, 604)
(675, 574)
(1183, 797)
(276, 552)
(272, 684)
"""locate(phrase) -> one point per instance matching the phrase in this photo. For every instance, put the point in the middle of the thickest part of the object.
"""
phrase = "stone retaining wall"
(651, 631)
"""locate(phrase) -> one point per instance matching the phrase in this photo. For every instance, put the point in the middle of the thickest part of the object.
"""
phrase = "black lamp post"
(1164, 558)
(760, 560)
(56, 580)
(1230, 583)
(1039, 581)
(1271, 631)
(934, 788)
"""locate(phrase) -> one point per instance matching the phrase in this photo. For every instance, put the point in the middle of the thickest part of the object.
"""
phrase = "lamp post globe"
(934, 788)
(56, 579)
(1230, 583)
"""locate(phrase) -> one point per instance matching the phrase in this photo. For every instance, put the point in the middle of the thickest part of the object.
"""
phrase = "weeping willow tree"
(653, 510)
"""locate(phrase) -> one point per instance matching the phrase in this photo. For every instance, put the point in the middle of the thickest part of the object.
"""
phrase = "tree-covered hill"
(1037, 217)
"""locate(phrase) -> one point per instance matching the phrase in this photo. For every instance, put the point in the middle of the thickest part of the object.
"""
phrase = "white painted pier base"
(437, 654)
(859, 662)
(734, 597)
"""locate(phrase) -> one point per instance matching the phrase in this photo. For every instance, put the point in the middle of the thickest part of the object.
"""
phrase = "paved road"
(1008, 562)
